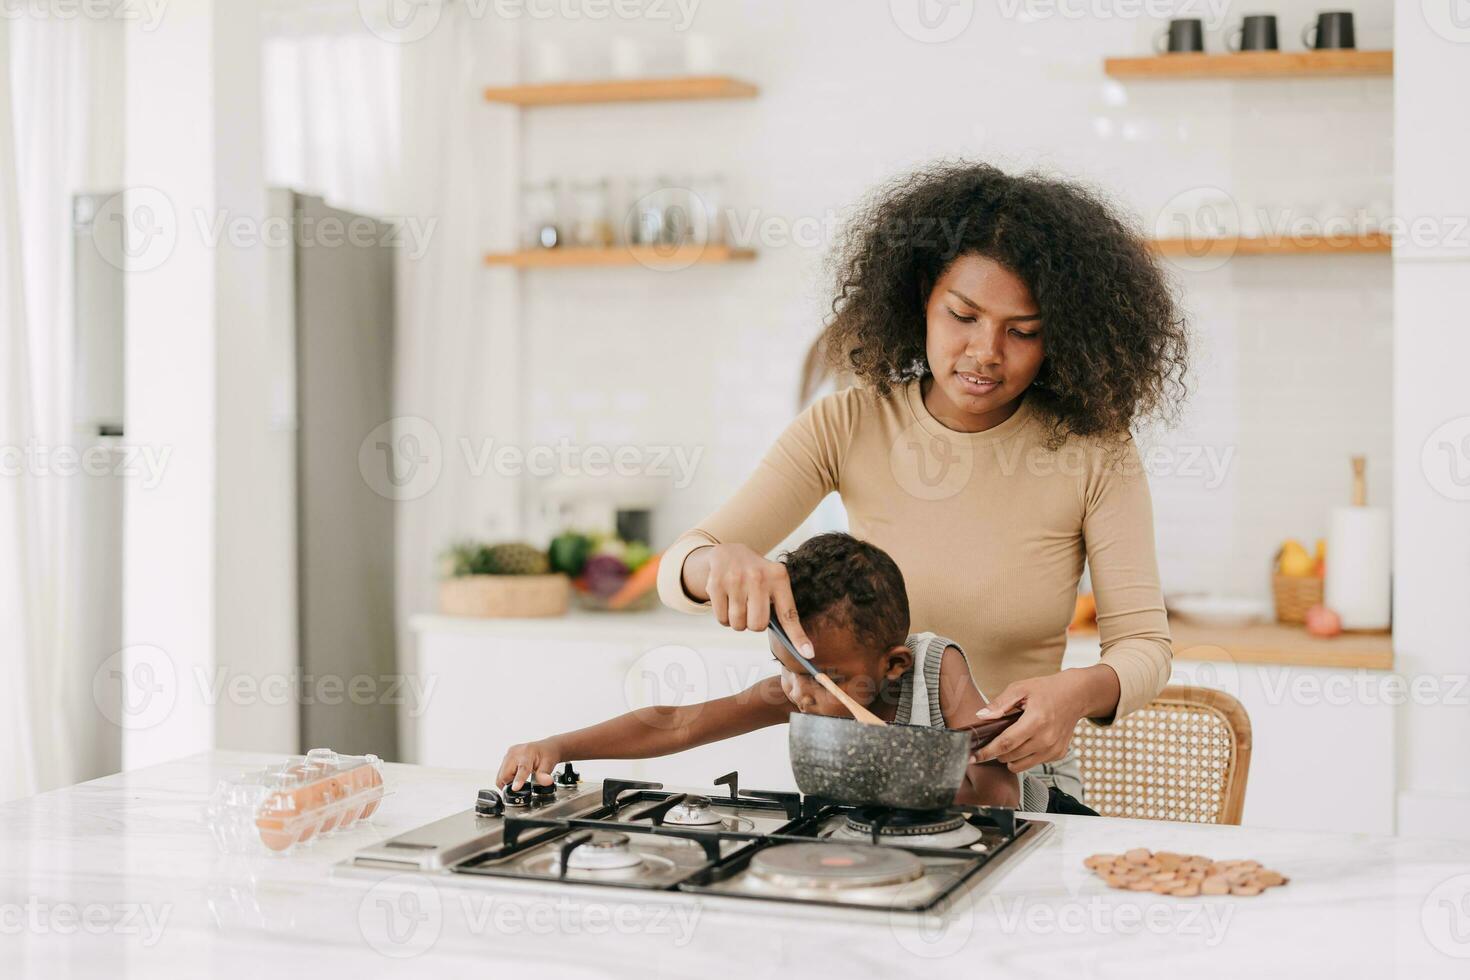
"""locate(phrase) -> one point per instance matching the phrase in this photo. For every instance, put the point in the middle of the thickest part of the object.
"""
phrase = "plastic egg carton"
(281, 807)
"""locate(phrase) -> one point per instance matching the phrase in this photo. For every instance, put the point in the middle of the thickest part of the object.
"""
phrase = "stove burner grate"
(903, 823)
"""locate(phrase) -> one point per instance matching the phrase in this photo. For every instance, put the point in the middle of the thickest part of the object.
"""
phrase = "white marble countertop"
(119, 877)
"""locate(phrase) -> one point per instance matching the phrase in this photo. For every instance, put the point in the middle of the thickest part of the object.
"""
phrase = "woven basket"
(504, 596)
(1294, 595)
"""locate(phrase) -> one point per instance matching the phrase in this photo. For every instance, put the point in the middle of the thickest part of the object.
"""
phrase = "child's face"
(859, 670)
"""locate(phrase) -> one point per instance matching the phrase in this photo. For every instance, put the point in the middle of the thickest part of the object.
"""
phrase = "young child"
(855, 610)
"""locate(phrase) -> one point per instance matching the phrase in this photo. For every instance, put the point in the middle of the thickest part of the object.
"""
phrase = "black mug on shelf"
(1333, 31)
(1181, 37)
(1257, 32)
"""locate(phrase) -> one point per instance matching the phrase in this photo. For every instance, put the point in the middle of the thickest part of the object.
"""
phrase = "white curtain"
(330, 106)
(458, 357)
(425, 148)
(60, 133)
(20, 605)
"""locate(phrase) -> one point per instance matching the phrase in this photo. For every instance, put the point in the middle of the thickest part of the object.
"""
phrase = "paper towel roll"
(1358, 567)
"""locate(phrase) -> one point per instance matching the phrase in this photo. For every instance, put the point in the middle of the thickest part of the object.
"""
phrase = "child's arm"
(988, 783)
(648, 732)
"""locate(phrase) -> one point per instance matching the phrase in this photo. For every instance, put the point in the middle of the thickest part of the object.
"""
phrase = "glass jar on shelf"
(678, 205)
(643, 220)
(541, 215)
(708, 194)
(591, 226)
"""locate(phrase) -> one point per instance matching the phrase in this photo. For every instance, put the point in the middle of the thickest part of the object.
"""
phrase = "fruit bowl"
(597, 603)
(608, 573)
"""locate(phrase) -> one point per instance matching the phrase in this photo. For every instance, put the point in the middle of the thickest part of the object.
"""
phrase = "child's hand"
(529, 760)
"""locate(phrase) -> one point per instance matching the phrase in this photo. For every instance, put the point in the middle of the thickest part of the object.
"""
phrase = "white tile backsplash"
(1294, 357)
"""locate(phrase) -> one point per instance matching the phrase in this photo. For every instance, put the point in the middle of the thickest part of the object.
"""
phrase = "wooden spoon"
(858, 711)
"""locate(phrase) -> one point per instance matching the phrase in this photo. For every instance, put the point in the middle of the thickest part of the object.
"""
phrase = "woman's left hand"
(1051, 707)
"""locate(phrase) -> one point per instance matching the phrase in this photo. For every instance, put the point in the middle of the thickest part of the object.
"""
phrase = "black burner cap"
(903, 822)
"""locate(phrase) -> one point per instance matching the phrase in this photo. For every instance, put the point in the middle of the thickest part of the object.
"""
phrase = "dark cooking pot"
(908, 766)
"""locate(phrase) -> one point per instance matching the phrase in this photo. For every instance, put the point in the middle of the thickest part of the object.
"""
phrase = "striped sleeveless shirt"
(918, 704)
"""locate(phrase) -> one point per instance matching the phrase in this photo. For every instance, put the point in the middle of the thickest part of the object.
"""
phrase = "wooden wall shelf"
(1272, 643)
(1253, 64)
(623, 90)
(650, 256)
(1215, 248)
(1276, 643)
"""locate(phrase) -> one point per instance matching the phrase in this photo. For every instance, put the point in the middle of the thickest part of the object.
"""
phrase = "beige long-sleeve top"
(990, 529)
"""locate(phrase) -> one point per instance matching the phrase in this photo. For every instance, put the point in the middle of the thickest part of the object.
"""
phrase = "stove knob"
(489, 803)
(568, 776)
(516, 797)
(543, 794)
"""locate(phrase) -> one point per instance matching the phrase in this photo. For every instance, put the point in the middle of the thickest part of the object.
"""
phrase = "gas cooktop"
(750, 844)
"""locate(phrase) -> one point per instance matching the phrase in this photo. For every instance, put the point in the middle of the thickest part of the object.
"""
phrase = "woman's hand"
(1051, 707)
(742, 587)
(529, 760)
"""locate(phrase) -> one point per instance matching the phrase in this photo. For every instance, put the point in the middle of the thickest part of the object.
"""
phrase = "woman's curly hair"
(1116, 340)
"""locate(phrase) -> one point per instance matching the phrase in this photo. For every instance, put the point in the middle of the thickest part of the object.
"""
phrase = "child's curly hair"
(839, 580)
(1116, 340)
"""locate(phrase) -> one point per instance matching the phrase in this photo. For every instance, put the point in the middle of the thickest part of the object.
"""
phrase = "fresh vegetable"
(469, 558)
(637, 585)
(457, 560)
(604, 575)
(611, 545)
(517, 559)
(569, 551)
(636, 555)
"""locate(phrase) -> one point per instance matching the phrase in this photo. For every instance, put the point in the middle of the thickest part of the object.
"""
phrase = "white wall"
(1432, 428)
(168, 576)
(200, 584)
(1294, 354)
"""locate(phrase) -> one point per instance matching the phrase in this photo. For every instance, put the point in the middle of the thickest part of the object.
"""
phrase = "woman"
(1006, 332)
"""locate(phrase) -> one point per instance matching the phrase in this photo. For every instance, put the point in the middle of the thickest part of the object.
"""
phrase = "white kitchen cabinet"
(498, 682)
(1323, 738)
